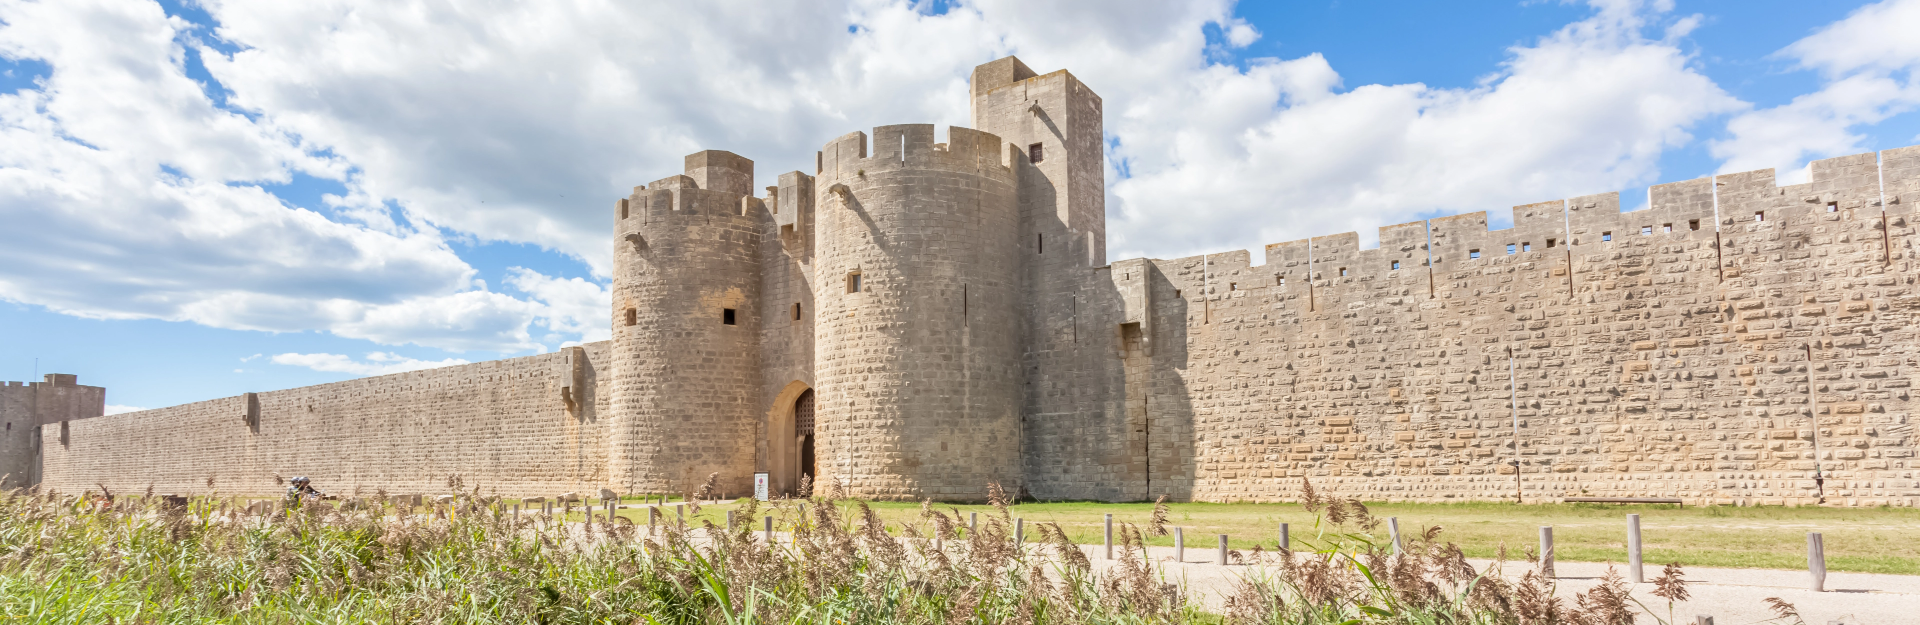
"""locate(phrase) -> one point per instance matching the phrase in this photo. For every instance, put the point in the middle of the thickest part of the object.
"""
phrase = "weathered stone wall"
(501, 425)
(1655, 353)
(24, 406)
(786, 327)
(687, 385)
(918, 369)
(1699, 349)
(17, 444)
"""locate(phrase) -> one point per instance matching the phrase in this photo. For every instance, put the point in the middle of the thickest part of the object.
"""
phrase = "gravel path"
(1731, 596)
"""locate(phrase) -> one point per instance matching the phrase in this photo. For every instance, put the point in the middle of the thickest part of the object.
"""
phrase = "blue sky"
(200, 199)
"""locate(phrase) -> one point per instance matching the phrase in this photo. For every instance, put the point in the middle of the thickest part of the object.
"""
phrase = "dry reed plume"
(471, 559)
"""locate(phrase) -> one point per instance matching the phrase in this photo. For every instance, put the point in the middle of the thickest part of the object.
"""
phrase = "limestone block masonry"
(920, 312)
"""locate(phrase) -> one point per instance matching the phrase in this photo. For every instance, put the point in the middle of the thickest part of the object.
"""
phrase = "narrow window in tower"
(1280, 280)
(1526, 247)
(1040, 243)
(1176, 293)
(1666, 227)
(1233, 286)
(1396, 265)
(1606, 236)
(1693, 224)
(1509, 249)
(1759, 215)
(963, 304)
(1551, 243)
(1833, 207)
(1646, 230)
(727, 316)
(1034, 154)
(1472, 254)
(633, 317)
(1343, 271)
(853, 282)
(796, 311)
(623, 208)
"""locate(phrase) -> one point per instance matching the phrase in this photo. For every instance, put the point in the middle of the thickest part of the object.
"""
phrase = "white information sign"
(760, 486)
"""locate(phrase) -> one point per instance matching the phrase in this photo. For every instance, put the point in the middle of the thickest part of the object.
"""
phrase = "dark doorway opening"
(803, 429)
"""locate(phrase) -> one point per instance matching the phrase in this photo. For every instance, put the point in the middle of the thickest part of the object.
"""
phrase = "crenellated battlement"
(905, 147)
(1703, 213)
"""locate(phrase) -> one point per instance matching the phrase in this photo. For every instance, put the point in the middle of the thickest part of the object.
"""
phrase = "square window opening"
(853, 282)
(1646, 230)
(1233, 286)
(1343, 271)
(1760, 216)
(1606, 236)
(1833, 207)
(1526, 247)
(1036, 153)
(1396, 265)
(1551, 243)
(1176, 293)
(1472, 254)
(727, 316)
(1509, 248)
(1693, 224)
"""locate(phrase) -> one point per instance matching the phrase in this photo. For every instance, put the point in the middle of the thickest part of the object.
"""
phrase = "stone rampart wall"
(501, 425)
(1660, 353)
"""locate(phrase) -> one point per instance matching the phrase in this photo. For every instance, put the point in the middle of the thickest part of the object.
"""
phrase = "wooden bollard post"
(1179, 545)
(1546, 551)
(1109, 537)
(1817, 561)
(973, 523)
(1393, 529)
(681, 512)
(653, 516)
(1223, 550)
(729, 520)
(1634, 571)
(1019, 531)
(1285, 545)
(767, 527)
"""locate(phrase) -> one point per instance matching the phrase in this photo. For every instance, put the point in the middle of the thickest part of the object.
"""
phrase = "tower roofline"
(999, 73)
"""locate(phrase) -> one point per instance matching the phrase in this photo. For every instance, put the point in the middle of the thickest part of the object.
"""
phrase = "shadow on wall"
(1168, 414)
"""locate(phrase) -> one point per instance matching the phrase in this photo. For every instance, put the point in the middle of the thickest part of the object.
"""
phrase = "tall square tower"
(1056, 119)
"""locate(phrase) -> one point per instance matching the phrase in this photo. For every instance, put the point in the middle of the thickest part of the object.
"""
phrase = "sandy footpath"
(1731, 596)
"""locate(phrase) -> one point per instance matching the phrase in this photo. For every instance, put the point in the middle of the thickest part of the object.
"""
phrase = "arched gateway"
(789, 439)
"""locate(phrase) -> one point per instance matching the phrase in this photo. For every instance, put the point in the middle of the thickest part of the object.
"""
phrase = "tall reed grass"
(89, 559)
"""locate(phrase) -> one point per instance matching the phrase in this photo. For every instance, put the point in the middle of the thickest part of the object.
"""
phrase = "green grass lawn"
(1869, 540)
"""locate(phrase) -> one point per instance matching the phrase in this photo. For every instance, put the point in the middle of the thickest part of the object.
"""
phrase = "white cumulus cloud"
(117, 409)
(130, 192)
(1866, 62)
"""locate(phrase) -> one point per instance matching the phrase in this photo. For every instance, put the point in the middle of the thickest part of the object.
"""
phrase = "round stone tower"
(686, 354)
(918, 337)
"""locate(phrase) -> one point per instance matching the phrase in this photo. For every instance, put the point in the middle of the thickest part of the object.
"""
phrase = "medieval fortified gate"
(925, 312)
